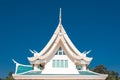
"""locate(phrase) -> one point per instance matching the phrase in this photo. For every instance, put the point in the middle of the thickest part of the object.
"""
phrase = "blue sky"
(29, 24)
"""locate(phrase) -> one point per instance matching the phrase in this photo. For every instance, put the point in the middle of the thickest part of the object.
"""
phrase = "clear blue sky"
(29, 24)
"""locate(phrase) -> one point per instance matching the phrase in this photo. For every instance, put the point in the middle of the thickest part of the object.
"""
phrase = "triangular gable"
(59, 39)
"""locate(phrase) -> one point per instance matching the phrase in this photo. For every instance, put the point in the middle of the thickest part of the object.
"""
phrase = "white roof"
(60, 39)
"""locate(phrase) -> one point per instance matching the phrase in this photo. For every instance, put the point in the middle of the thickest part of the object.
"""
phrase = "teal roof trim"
(32, 73)
(87, 73)
(39, 73)
(23, 68)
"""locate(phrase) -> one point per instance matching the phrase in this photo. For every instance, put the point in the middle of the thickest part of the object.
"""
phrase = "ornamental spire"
(60, 17)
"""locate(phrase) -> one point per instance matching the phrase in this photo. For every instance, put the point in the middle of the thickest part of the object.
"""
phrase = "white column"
(36, 67)
(84, 67)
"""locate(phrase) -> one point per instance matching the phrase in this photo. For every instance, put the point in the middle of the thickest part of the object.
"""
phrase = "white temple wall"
(49, 69)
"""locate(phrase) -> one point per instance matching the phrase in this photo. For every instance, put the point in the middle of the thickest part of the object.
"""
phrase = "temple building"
(58, 60)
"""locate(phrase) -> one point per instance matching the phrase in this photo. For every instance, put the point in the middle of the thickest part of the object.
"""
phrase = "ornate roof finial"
(60, 17)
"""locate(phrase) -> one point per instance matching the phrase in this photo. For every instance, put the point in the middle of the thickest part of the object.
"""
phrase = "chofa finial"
(60, 17)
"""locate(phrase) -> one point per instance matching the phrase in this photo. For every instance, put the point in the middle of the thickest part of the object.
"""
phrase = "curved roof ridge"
(20, 63)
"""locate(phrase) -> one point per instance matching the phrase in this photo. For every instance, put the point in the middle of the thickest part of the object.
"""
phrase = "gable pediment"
(60, 39)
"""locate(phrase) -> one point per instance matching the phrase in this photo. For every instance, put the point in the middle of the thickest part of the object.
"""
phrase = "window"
(66, 63)
(60, 63)
(63, 53)
(53, 63)
(60, 52)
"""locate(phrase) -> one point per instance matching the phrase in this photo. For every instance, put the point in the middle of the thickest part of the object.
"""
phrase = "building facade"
(59, 60)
